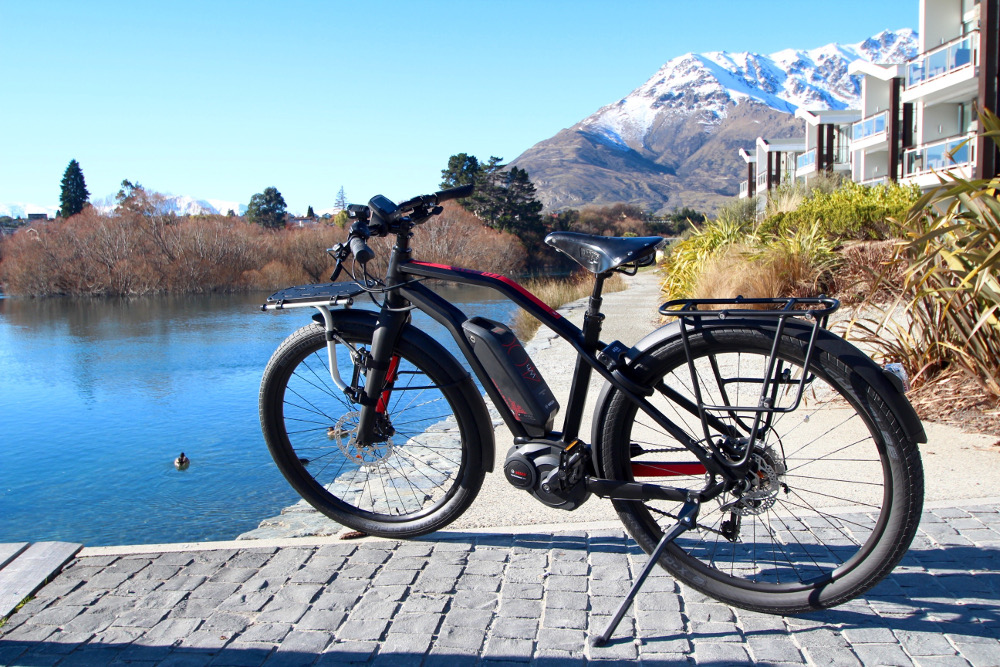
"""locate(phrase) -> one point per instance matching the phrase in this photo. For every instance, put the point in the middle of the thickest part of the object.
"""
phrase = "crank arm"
(606, 488)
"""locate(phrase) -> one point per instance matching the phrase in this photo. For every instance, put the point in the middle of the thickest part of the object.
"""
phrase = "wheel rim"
(409, 475)
(830, 482)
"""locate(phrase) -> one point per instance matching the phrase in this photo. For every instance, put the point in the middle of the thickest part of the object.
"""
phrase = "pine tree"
(267, 209)
(463, 169)
(310, 213)
(341, 200)
(73, 195)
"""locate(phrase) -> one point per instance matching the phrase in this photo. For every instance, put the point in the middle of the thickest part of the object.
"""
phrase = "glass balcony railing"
(870, 127)
(806, 160)
(940, 155)
(744, 189)
(876, 180)
(944, 59)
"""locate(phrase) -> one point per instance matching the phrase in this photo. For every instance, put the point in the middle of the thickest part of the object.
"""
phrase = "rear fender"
(880, 380)
(456, 373)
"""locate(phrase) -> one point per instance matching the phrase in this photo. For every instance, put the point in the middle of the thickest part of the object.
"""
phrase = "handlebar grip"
(455, 193)
(361, 251)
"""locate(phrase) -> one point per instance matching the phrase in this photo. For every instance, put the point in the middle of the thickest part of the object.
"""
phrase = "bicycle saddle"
(598, 254)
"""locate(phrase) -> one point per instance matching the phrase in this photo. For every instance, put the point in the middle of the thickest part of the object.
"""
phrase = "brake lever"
(339, 252)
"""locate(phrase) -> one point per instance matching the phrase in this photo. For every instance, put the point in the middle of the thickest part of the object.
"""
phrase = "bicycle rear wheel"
(833, 495)
(427, 467)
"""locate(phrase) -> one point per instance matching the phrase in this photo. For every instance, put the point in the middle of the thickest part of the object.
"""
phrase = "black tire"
(840, 490)
(420, 479)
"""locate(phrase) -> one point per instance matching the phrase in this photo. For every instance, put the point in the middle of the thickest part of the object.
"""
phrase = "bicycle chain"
(697, 525)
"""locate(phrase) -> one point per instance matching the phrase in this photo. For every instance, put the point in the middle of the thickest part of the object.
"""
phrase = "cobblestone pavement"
(495, 599)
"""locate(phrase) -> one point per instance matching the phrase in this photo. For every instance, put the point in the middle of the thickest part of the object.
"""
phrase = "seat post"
(592, 321)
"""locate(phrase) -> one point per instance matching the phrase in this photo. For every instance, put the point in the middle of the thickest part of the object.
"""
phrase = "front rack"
(316, 295)
(694, 311)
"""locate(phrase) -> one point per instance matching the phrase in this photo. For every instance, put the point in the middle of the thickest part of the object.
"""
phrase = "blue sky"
(222, 99)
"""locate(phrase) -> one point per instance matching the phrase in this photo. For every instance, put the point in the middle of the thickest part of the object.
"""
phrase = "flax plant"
(950, 247)
(688, 258)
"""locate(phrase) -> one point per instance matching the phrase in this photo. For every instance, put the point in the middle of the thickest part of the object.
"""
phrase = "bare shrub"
(458, 237)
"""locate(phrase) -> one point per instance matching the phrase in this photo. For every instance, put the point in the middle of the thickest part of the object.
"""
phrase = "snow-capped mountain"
(22, 210)
(710, 83)
(178, 205)
(673, 140)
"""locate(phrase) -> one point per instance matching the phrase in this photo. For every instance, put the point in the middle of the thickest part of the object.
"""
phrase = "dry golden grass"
(555, 292)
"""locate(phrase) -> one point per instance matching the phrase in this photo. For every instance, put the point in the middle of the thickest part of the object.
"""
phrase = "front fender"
(870, 372)
(455, 371)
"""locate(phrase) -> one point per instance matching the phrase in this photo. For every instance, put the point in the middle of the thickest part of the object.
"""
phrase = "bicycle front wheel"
(832, 496)
(426, 467)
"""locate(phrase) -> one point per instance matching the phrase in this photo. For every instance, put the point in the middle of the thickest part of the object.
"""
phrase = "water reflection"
(99, 396)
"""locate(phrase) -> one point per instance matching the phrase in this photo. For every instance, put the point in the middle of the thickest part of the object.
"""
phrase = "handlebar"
(437, 197)
(384, 213)
(360, 249)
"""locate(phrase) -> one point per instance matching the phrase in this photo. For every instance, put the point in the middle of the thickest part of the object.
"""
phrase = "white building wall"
(875, 95)
(940, 22)
(939, 121)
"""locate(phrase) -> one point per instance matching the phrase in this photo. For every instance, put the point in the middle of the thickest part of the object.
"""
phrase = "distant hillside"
(673, 141)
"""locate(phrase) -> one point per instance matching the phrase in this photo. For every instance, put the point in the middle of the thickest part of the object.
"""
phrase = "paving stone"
(422, 603)
(265, 632)
(509, 650)
(515, 628)
(562, 639)
(832, 656)
(415, 624)
(468, 638)
(882, 654)
(369, 629)
(347, 652)
(282, 611)
(566, 600)
(775, 648)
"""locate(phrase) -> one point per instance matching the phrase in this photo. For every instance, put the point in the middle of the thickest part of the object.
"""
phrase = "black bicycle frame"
(405, 289)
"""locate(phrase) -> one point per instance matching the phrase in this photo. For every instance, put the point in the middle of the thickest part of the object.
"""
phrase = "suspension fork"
(382, 366)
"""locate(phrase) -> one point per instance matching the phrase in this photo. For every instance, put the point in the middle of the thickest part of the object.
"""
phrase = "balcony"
(744, 189)
(806, 162)
(870, 127)
(946, 58)
(877, 180)
(940, 155)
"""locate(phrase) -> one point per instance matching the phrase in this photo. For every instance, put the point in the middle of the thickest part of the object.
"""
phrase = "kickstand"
(686, 519)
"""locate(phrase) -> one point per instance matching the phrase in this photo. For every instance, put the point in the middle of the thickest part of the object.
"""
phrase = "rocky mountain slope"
(673, 141)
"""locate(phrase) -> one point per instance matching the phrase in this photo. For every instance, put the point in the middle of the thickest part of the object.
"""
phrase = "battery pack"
(513, 373)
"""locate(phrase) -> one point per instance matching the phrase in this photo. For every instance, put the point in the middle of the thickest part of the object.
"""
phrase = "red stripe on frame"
(496, 276)
(666, 469)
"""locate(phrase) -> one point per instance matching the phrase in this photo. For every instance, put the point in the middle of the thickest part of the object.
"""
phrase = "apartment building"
(953, 76)
(920, 118)
(770, 164)
(886, 126)
(827, 143)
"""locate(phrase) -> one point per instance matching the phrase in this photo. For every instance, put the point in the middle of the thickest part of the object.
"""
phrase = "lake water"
(98, 397)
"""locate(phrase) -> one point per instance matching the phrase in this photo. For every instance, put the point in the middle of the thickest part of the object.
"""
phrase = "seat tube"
(581, 373)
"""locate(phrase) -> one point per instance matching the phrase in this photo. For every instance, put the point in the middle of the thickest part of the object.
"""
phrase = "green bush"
(851, 211)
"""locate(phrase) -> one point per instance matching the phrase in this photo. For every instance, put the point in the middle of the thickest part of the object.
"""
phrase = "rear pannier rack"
(692, 312)
(780, 308)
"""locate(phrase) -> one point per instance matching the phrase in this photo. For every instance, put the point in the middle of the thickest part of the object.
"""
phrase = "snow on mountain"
(710, 83)
(21, 210)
